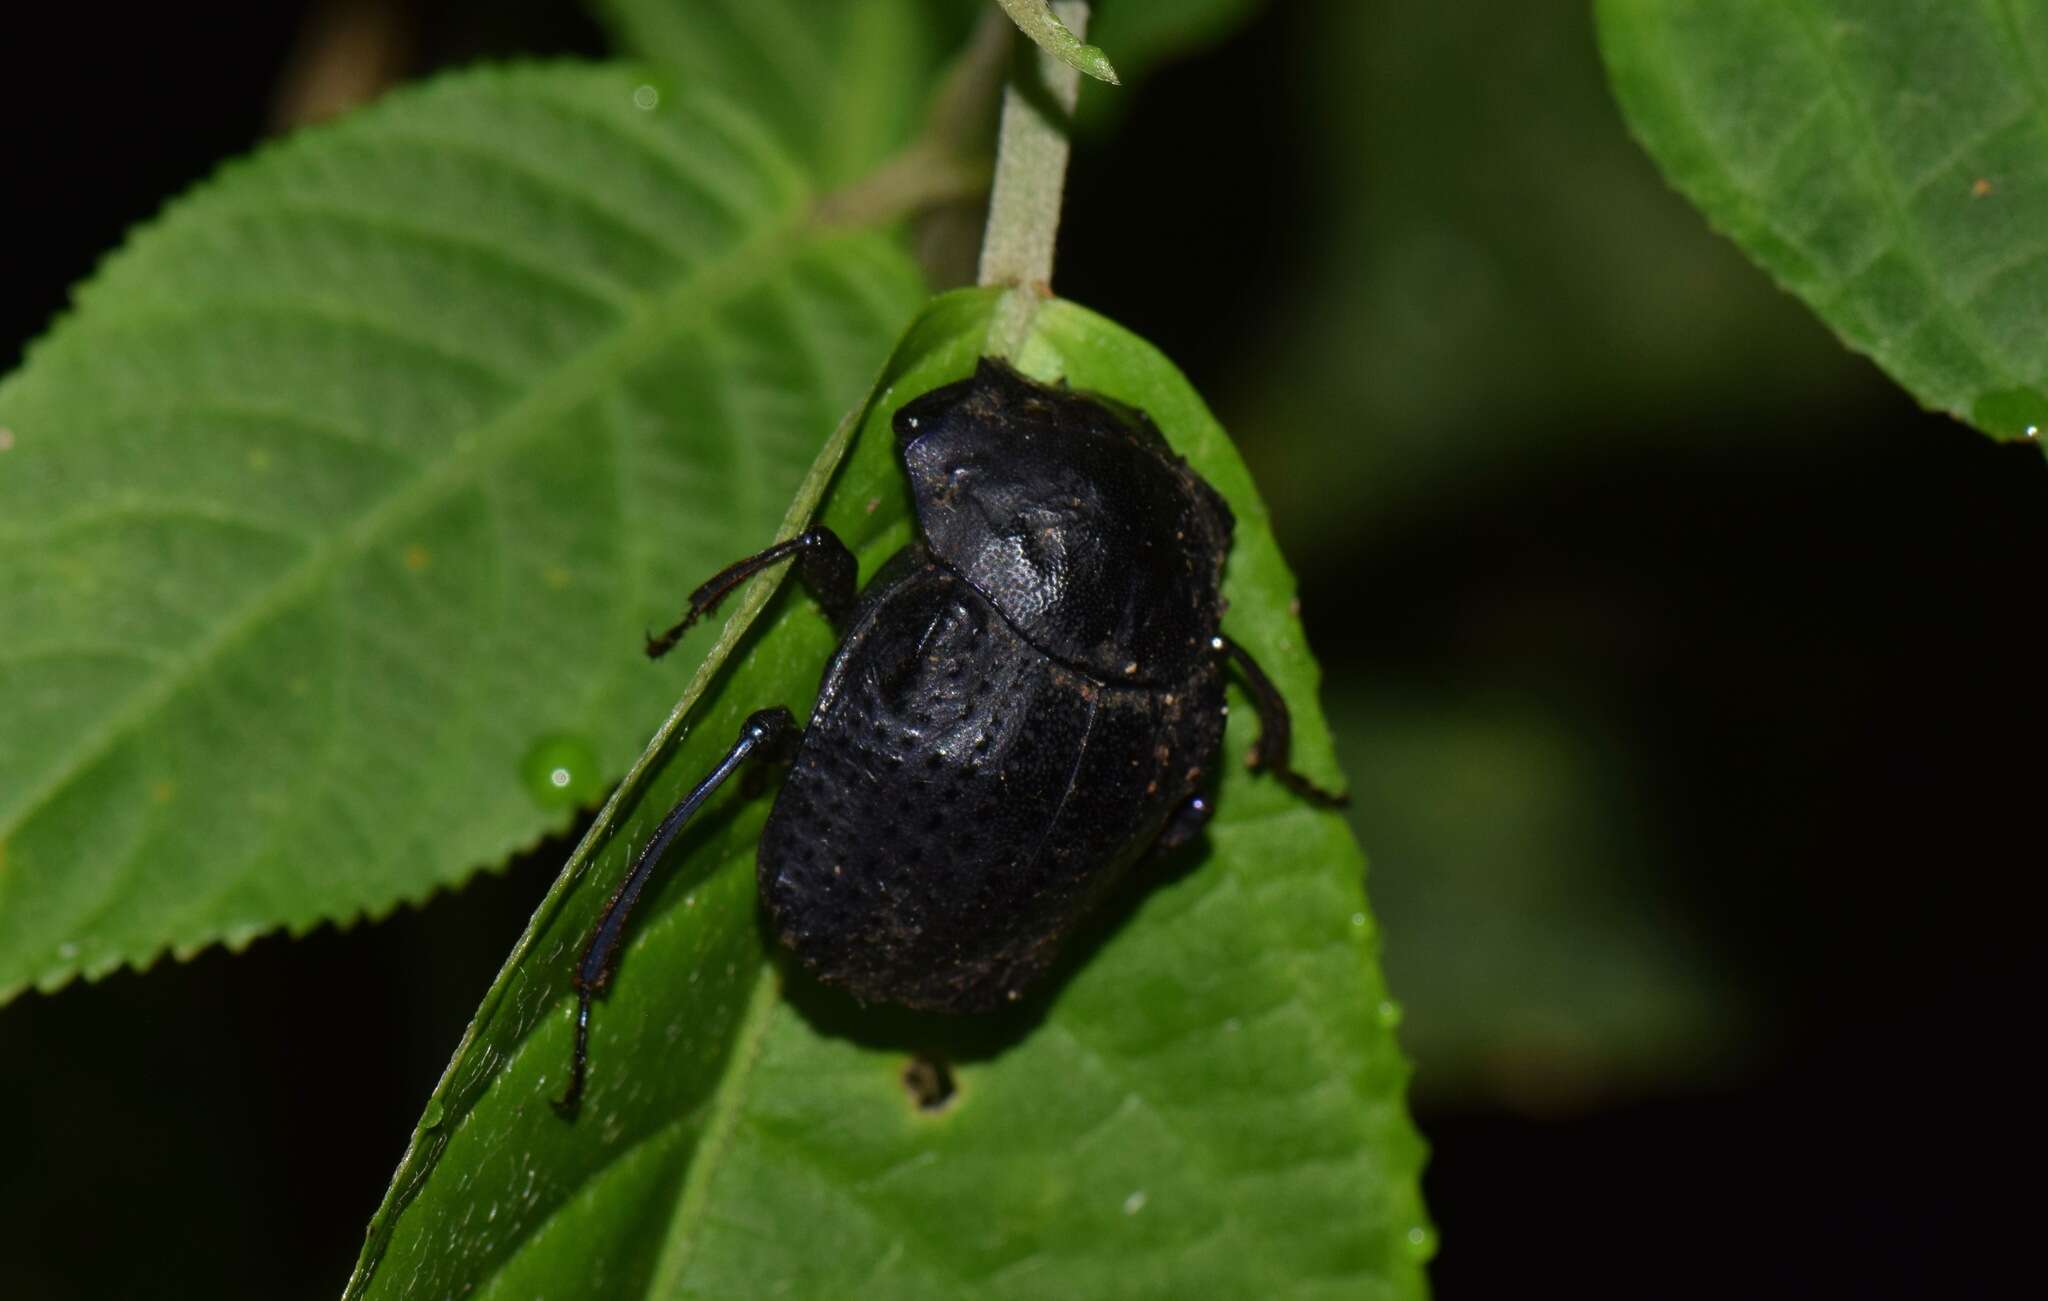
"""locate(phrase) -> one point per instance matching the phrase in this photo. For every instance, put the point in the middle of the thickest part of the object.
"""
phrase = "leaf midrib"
(641, 331)
(723, 1118)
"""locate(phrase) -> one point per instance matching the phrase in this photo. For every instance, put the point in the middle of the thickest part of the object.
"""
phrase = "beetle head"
(1070, 514)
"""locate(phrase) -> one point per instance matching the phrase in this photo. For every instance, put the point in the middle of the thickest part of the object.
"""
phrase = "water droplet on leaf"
(1421, 1242)
(560, 772)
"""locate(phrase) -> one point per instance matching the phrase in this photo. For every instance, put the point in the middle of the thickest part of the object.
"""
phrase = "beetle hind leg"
(822, 562)
(767, 734)
(1276, 729)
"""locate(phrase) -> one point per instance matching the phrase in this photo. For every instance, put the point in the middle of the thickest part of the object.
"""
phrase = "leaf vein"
(581, 196)
(507, 256)
(1906, 236)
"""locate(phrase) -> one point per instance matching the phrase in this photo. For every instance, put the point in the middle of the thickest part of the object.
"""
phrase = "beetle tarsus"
(1309, 791)
(579, 1061)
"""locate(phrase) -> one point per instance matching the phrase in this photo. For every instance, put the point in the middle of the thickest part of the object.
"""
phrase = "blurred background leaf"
(842, 85)
(1142, 34)
(1536, 961)
(1476, 274)
(1886, 160)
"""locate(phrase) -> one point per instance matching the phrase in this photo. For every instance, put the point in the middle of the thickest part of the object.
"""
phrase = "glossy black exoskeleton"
(1024, 703)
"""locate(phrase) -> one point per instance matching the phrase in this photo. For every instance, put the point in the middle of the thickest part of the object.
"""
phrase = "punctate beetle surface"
(1025, 702)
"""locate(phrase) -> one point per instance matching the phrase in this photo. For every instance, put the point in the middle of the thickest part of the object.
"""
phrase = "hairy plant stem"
(1031, 174)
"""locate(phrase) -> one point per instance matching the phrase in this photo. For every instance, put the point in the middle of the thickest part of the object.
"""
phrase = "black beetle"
(1023, 704)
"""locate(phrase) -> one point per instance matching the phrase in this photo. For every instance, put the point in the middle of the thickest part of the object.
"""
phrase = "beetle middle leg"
(822, 561)
(767, 733)
(1276, 729)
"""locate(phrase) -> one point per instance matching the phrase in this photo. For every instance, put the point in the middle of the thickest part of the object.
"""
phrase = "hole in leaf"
(929, 1081)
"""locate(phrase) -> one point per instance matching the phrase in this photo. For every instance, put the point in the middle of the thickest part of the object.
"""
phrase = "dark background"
(1687, 676)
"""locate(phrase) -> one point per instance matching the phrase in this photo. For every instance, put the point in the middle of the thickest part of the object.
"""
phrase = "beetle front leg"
(1276, 729)
(767, 733)
(822, 562)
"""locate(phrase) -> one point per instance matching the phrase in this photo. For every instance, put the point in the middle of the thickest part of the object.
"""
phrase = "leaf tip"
(1036, 20)
(1091, 60)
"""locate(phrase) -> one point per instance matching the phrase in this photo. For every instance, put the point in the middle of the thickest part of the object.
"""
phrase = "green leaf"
(1207, 1102)
(842, 83)
(1539, 965)
(331, 517)
(1885, 160)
